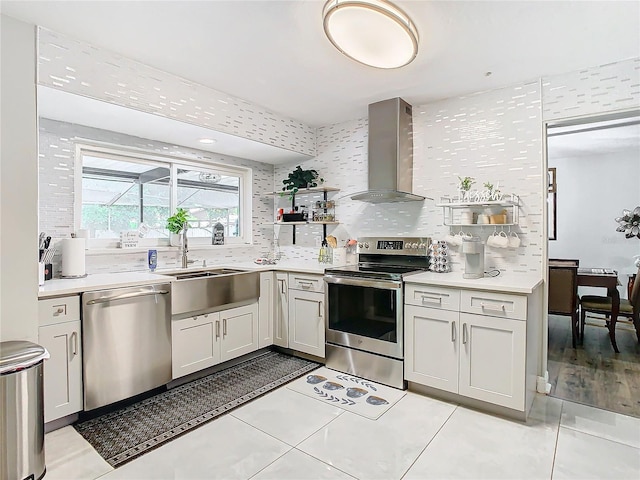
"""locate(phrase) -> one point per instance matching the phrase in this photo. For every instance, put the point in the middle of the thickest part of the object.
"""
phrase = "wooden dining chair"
(563, 292)
(628, 308)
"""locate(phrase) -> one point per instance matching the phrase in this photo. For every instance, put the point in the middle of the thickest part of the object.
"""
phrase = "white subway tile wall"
(591, 91)
(56, 171)
(492, 136)
(77, 67)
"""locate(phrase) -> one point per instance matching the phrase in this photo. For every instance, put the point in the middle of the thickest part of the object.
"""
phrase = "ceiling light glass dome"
(372, 32)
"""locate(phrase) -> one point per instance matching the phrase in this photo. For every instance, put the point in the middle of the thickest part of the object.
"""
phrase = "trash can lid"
(18, 354)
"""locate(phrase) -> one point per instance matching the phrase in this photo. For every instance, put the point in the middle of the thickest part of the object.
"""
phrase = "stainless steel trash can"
(21, 411)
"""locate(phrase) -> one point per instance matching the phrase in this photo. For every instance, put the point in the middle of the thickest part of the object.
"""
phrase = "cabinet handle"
(492, 308)
(217, 328)
(74, 339)
(305, 284)
(224, 327)
(427, 299)
(453, 331)
(320, 310)
(58, 311)
(464, 333)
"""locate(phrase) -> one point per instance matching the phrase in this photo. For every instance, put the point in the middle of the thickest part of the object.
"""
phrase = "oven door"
(365, 314)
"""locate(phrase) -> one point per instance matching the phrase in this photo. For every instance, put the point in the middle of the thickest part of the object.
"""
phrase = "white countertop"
(64, 286)
(505, 282)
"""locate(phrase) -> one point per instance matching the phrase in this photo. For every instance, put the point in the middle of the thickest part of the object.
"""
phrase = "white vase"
(175, 239)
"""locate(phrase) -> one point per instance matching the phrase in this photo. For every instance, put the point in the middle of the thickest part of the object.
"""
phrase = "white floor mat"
(354, 394)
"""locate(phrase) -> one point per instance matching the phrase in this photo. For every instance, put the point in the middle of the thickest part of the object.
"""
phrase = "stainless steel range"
(364, 308)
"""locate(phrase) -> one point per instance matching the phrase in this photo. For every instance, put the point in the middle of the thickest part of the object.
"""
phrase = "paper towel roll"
(73, 257)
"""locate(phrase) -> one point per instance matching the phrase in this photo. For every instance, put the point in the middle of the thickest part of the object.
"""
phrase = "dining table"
(604, 278)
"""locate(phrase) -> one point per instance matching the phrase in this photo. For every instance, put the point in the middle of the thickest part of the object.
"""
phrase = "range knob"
(422, 245)
(366, 245)
(414, 245)
(360, 245)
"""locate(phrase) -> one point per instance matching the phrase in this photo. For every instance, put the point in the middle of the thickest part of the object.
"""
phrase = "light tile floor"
(287, 435)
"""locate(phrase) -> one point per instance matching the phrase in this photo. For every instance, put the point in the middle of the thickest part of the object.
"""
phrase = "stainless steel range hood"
(390, 153)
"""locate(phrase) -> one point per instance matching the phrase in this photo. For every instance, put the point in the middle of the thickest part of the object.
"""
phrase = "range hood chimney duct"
(390, 153)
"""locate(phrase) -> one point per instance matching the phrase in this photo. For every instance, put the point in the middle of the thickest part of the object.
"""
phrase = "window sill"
(164, 248)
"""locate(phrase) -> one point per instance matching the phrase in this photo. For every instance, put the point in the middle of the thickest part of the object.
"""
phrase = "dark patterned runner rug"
(125, 434)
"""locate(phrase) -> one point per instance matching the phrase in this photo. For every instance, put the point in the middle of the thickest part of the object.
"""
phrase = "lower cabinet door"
(281, 313)
(492, 359)
(266, 309)
(306, 322)
(63, 370)
(195, 343)
(239, 331)
(431, 347)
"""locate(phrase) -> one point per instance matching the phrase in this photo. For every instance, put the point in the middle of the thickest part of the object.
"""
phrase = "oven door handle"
(361, 282)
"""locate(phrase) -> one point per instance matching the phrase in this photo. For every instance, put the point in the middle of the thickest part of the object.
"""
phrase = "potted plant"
(464, 186)
(175, 224)
(298, 179)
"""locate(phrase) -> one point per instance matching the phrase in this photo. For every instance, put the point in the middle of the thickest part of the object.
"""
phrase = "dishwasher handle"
(125, 296)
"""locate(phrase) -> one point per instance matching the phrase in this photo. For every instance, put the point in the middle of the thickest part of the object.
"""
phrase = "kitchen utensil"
(41, 239)
(47, 242)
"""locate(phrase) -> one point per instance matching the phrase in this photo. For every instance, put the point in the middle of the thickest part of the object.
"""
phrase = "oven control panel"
(394, 246)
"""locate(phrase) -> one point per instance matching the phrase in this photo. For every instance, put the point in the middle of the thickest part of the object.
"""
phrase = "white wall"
(57, 148)
(493, 136)
(18, 183)
(591, 193)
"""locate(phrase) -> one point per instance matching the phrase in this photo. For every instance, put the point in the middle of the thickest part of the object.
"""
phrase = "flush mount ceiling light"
(372, 32)
(208, 141)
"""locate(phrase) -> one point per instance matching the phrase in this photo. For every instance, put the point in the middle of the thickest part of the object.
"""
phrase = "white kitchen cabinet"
(492, 359)
(239, 331)
(195, 343)
(266, 309)
(63, 370)
(281, 311)
(431, 347)
(205, 340)
(480, 356)
(306, 322)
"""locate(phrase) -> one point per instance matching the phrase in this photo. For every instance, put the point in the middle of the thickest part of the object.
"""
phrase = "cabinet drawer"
(494, 304)
(432, 297)
(58, 310)
(308, 283)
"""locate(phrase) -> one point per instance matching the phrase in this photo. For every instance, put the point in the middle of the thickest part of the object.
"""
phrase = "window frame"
(173, 163)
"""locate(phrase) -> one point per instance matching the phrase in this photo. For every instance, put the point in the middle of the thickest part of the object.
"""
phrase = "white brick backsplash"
(592, 91)
(77, 67)
(56, 176)
(493, 136)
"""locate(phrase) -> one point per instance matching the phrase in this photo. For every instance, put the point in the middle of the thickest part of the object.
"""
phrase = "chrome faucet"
(185, 248)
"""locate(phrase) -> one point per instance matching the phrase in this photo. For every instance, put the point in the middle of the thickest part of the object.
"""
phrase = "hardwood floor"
(593, 374)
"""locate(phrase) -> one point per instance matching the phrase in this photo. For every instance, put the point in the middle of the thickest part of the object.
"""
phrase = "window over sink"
(124, 190)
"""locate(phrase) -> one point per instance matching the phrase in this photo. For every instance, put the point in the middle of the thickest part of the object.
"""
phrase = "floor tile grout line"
(266, 433)
(600, 437)
(555, 448)
(429, 442)
(332, 466)
(271, 463)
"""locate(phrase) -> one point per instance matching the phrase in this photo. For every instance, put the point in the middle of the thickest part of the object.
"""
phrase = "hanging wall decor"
(629, 223)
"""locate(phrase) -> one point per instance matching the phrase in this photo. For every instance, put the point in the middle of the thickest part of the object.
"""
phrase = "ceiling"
(274, 53)
(601, 139)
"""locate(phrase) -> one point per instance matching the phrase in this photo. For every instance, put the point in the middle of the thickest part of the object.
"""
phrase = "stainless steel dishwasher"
(126, 335)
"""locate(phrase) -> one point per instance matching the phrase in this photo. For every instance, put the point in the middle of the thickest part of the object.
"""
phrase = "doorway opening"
(594, 175)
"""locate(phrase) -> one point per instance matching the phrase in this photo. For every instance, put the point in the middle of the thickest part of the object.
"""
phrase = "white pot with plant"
(176, 223)
(464, 187)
